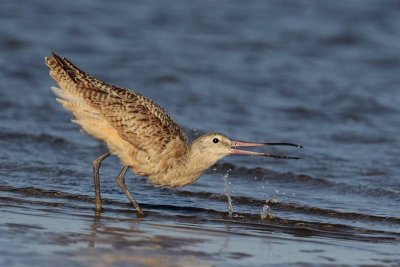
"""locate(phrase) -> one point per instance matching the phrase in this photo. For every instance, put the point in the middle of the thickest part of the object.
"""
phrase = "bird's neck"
(197, 162)
(190, 167)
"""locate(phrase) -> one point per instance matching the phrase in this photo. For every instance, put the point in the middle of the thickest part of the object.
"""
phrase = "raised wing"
(137, 119)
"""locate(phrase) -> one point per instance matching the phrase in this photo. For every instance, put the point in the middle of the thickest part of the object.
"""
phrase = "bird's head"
(211, 147)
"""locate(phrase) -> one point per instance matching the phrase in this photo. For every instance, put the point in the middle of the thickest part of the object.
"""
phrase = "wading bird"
(138, 131)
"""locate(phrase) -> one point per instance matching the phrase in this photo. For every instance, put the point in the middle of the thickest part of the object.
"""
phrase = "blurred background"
(324, 75)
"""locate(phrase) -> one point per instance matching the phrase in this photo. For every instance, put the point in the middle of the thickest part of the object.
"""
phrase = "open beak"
(236, 144)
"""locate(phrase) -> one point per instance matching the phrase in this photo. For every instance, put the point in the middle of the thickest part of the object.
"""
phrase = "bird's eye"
(215, 140)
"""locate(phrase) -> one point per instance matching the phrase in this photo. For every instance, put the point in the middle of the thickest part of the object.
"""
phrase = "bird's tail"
(73, 81)
(66, 74)
(76, 92)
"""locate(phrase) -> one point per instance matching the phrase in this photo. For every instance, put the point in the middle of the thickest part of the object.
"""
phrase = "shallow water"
(320, 74)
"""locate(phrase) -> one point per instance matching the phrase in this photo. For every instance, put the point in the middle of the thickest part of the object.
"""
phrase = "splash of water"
(266, 212)
(227, 192)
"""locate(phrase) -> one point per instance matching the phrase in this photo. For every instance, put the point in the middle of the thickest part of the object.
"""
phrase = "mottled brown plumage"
(137, 130)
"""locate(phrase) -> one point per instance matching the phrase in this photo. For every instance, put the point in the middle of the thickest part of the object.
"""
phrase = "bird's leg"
(121, 183)
(96, 167)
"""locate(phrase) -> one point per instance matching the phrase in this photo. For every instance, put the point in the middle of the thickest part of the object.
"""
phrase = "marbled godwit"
(138, 131)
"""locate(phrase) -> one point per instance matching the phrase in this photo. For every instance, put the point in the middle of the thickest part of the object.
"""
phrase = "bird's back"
(134, 127)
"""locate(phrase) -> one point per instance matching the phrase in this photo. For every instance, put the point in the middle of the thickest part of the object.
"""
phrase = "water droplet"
(226, 189)
(266, 212)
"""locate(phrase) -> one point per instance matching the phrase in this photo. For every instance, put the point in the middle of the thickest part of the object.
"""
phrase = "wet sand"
(50, 228)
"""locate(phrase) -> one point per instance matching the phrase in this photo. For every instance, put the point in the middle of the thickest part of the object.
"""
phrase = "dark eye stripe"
(215, 140)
